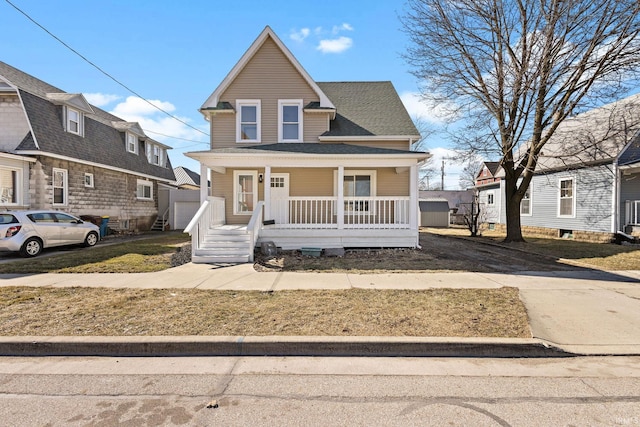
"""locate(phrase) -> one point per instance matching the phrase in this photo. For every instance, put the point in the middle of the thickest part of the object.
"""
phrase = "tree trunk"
(514, 231)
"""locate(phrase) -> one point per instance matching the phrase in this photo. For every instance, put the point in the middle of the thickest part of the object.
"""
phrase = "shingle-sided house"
(302, 163)
(59, 152)
(587, 182)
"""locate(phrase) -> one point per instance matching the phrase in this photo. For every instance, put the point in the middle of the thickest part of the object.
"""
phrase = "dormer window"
(290, 120)
(248, 120)
(155, 154)
(132, 143)
(74, 121)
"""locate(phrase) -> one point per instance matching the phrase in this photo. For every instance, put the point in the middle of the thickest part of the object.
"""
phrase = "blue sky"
(175, 53)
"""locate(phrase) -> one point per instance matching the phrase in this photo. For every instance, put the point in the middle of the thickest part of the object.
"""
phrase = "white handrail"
(196, 218)
(253, 228)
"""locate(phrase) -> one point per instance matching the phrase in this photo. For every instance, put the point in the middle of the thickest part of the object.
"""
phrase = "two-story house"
(59, 152)
(302, 163)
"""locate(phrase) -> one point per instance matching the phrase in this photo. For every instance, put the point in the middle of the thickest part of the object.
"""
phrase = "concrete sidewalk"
(587, 312)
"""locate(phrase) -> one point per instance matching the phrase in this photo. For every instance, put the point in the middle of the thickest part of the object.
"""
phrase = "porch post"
(340, 207)
(413, 197)
(267, 192)
(204, 181)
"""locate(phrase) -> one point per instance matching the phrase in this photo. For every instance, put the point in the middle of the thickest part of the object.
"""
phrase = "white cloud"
(299, 36)
(338, 45)
(344, 27)
(134, 106)
(422, 109)
(101, 99)
(157, 124)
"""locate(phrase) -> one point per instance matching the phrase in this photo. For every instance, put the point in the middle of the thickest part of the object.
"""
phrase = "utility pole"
(442, 176)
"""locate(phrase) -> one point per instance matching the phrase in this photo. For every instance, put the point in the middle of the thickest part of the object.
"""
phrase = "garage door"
(183, 213)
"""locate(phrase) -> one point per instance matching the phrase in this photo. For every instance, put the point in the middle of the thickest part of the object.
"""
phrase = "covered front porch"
(301, 200)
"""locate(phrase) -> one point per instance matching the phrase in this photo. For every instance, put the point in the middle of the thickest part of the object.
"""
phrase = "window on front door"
(60, 186)
(290, 120)
(245, 192)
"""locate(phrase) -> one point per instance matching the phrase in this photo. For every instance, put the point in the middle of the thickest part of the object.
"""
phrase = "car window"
(41, 217)
(8, 219)
(60, 217)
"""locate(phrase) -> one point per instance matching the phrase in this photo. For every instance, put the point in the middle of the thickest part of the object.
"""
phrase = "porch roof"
(308, 155)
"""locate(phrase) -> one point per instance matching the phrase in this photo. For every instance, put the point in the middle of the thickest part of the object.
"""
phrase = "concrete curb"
(278, 346)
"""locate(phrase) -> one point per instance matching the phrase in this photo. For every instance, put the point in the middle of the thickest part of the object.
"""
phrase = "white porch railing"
(255, 224)
(632, 212)
(359, 212)
(210, 214)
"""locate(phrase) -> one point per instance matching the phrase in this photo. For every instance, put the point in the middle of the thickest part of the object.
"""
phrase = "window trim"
(17, 186)
(530, 199)
(135, 145)
(289, 103)
(68, 121)
(89, 184)
(65, 186)
(144, 183)
(573, 196)
(491, 193)
(248, 103)
(236, 175)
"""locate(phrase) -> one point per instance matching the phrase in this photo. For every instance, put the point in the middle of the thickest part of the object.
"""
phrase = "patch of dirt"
(437, 253)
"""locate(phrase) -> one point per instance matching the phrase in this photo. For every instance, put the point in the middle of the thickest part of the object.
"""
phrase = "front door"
(280, 197)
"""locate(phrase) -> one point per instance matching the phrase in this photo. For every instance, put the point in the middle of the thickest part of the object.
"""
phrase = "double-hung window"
(60, 187)
(566, 198)
(290, 120)
(357, 188)
(491, 198)
(525, 203)
(74, 121)
(248, 120)
(132, 143)
(245, 192)
(144, 190)
(88, 180)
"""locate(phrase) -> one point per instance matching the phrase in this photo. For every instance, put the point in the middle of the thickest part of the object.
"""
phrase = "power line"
(175, 137)
(102, 71)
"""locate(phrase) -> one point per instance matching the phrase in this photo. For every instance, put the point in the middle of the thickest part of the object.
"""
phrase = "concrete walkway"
(587, 312)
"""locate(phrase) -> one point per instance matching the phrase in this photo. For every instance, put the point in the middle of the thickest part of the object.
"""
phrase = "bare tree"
(516, 69)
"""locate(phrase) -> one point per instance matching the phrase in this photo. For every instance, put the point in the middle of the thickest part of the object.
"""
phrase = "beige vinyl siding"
(392, 145)
(268, 76)
(309, 182)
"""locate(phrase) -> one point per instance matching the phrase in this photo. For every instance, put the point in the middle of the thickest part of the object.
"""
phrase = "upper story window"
(132, 143)
(248, 120)
(290, 120)
(155, 154)
(74, 122)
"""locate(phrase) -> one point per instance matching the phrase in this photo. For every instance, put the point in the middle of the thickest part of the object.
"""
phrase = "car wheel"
(91, 239)
(32, 247)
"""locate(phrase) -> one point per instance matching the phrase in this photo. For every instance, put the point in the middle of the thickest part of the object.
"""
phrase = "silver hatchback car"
(28, 232)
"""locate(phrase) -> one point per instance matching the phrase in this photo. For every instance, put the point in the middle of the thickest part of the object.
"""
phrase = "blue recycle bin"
(104, 226)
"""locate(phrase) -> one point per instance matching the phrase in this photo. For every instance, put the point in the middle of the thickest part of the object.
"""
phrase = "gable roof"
(103, 144)
(186, 176)
(492, 167)
(212, 102)
(596, 136)
(367, 109)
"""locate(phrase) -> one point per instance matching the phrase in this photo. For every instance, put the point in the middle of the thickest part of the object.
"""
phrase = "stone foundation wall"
(579, 235)
(113, 193)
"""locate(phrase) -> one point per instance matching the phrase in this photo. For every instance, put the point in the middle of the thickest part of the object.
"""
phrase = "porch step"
(223, 245)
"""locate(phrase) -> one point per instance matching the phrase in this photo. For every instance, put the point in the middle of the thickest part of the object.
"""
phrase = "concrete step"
(212, 250)
(222, 238)
(235, 259)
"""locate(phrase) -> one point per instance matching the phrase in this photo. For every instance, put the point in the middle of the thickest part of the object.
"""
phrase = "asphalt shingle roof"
(102, 143)
(306, 148)
(367, 109)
